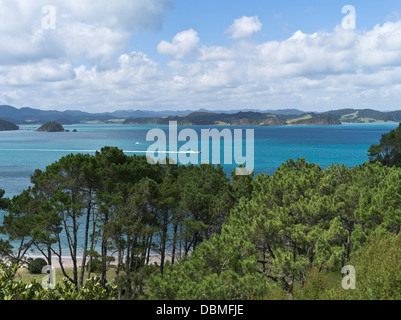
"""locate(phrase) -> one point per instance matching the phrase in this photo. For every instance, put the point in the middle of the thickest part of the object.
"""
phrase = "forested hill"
(199, 117)
(7, 126)
(364, 116)
(51, 127)
(240, 118)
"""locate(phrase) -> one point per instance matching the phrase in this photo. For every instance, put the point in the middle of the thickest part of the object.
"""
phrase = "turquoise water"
(21, 152)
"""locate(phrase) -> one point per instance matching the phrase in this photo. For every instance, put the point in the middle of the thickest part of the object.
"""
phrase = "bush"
(378, 274)
(95, 266)
(315, 286)
(378, 270)
(35, 266)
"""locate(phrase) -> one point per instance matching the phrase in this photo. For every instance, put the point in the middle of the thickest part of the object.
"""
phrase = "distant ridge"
(28, 115)
(35, 116)
(249, 118)
(365, 115)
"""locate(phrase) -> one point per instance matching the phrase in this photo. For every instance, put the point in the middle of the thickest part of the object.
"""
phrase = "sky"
(102, 56)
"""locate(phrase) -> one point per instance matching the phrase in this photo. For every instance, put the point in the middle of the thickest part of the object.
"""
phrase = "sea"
(23, 151)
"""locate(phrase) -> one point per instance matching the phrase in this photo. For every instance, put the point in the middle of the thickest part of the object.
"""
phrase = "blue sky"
(280, 18)
(191, 54)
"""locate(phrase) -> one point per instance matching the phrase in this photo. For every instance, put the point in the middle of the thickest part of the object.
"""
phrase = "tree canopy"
(388, 151)
(216, 236)
(300, 219)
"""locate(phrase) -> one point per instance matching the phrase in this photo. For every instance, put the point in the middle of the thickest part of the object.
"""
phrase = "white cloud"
(40, 73)
(85, 29)
(183, 44)
(313, 71)
(91, 43)
(130, 15)
(245, 27)
(334, 69)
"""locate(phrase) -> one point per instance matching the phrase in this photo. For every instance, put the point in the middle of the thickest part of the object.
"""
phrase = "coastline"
(68, 263)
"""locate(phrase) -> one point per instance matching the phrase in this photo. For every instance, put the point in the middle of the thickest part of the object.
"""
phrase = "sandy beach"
(68, 263)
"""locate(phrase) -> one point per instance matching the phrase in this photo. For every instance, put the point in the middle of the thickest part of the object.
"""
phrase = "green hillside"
(364, 116)
(240, 118)
(7, 126)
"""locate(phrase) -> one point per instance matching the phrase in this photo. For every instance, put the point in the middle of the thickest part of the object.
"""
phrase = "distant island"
(282, 117)
(365, 116)
(239, 119)
(7, 126)
(51, 127)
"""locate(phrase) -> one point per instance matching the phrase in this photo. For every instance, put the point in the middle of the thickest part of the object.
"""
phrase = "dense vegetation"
(7, 126)
(240, 119)
(125, 209)
(300, 219)
(364, 115)
(388, 151)
(250, 117)
(284, 236)
(51, 127)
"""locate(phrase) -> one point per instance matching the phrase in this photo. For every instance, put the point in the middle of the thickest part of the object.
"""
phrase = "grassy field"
(24, 275)
(306, 117)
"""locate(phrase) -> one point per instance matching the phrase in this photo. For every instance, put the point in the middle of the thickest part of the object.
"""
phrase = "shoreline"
(68, 263)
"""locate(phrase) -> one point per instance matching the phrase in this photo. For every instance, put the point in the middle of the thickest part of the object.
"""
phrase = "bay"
(23, 151)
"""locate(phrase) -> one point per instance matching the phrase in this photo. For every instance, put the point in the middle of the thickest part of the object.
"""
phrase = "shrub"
(378, 270)
(95, 265)
(35, 266)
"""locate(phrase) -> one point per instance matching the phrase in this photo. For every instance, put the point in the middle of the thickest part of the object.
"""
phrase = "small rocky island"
(51, 127)
(7, 126)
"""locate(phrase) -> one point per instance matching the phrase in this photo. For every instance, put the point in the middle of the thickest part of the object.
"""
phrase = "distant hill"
(287, 112)
(202, 116)
(7, 126)
(36, 116)
(364, 116)
(240, 118)
(145, 114)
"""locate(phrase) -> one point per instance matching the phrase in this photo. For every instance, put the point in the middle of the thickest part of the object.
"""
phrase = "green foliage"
(241, 118)
(378, 271)
(16, 290)
(3, 202)
(119, 204)
(296, 226)
(314, 287)
(95, 265)
(11, 289)
(35, 266)
(6, 125)
(388, 151)
(268, 237)
(133, 285)
(378, 274)
(91, 290)
(51, 127)
(220, 269)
